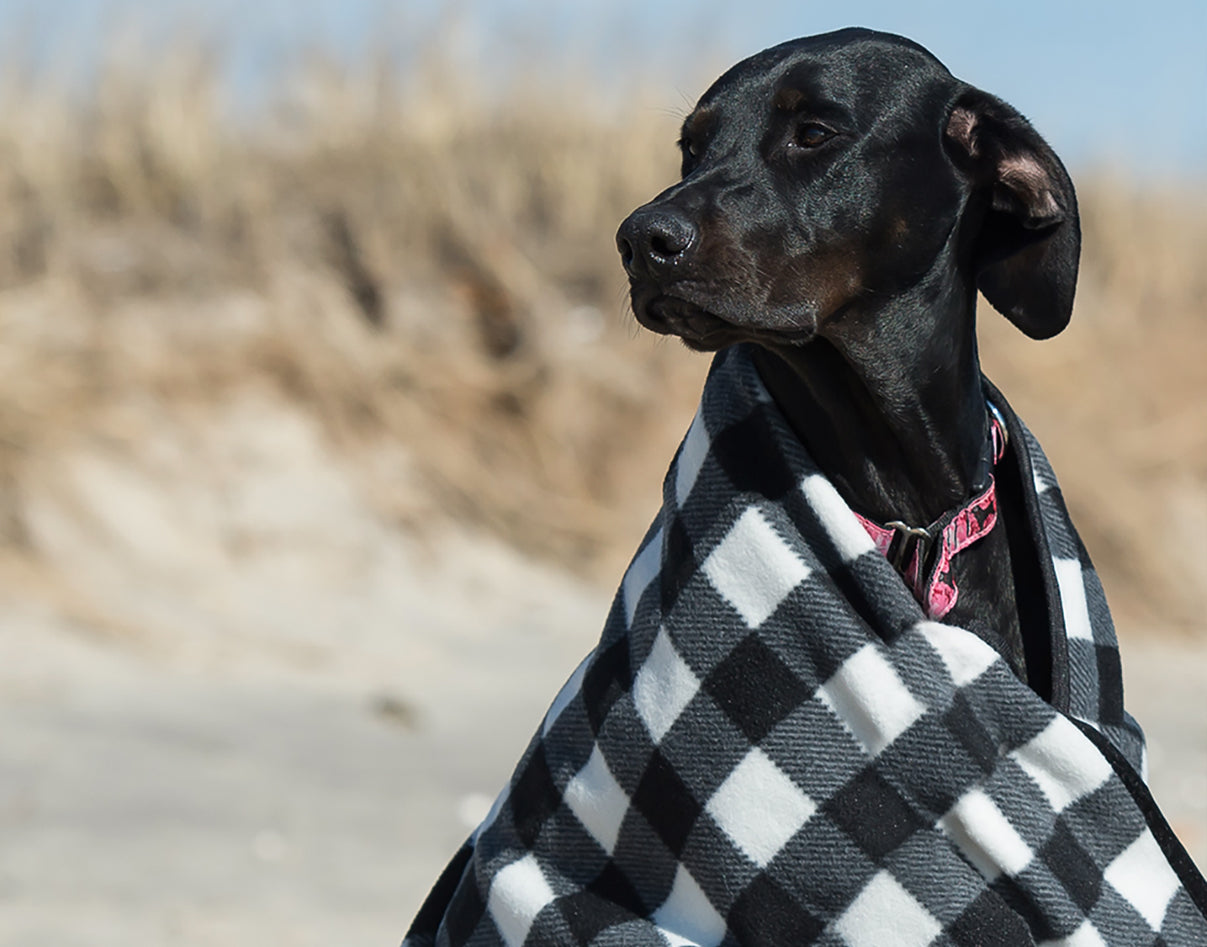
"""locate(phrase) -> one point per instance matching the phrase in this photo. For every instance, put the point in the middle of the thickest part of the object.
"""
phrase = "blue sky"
(1117, 83)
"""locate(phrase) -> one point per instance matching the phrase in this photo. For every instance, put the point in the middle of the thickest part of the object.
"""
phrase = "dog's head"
(829, 174)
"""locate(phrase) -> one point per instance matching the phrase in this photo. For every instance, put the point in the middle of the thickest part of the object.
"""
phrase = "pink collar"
(909, 547)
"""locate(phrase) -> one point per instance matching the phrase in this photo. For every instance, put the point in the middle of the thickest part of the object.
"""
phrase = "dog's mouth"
(703, 330)
(697, 327)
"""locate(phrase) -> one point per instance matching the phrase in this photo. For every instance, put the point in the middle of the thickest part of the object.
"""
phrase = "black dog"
(769, 745)
(843, 198)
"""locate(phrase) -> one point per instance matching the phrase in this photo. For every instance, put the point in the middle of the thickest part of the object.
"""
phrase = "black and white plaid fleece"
(771, 745)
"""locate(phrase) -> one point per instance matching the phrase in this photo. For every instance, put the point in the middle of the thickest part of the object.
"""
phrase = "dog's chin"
(699, 329)
(705, 331)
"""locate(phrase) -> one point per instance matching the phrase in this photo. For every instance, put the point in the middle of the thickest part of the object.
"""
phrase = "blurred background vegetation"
(420, 252)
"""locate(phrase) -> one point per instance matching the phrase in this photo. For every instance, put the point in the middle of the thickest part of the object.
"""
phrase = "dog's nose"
(654, 237)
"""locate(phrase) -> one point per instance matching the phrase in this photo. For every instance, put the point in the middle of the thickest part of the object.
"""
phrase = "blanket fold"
(771, 744)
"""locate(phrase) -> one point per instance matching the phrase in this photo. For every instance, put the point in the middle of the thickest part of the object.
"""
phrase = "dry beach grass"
(428, 264)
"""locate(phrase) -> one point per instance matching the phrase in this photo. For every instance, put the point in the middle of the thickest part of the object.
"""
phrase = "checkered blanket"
(771, 744)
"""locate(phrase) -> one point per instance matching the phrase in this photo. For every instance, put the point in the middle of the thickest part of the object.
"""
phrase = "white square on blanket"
(598, 801)
(1143, 876)
(846, 532)
(1064, 763)
(687, 917)
(985, 836)
(1085, 936)
(753, 569)
(965, 655)
(869, 697)
(885, 913)
(517, 895)
(691, 457)
(642, 571)
(663, 687)
(1070, 581)
(759, 807)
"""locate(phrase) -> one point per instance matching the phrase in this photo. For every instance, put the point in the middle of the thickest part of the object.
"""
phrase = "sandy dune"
(240, 708)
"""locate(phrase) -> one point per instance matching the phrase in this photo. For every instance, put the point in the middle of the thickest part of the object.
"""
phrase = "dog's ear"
(1026, 250)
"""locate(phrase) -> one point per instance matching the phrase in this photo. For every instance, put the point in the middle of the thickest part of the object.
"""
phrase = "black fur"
(843, 197)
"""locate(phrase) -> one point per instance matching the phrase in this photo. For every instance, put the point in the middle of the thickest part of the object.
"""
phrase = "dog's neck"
(889, 402)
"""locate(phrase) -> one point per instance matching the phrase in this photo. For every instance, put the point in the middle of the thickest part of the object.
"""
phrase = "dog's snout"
(654, 237)
(668, 235)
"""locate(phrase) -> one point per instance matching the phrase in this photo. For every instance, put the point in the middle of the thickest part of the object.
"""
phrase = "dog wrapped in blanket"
(860, 685)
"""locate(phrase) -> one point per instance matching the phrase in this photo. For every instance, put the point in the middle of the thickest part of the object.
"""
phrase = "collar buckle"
(907, 539)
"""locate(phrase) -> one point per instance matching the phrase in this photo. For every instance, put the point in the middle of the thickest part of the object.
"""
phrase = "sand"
(241, 707)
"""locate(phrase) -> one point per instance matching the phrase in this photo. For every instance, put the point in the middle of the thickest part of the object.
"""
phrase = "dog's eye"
(811, 134)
